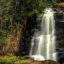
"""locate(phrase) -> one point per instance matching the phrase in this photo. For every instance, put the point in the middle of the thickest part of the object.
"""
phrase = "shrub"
(20, 62)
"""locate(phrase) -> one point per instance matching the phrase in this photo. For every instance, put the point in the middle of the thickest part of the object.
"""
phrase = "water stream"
(43, 41)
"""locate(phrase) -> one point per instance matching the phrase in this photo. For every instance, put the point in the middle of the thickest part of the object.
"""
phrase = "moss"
(8, 60)
(12, 59)
(18, 60)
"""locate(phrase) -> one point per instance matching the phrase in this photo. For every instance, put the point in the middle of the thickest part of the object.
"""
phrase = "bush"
(20, 62)
(12, 59)
(8, 60)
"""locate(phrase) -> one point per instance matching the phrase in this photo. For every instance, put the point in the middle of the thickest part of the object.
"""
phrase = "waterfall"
(43, 41)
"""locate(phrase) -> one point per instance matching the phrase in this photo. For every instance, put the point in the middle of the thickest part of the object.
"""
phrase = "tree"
(15, 12)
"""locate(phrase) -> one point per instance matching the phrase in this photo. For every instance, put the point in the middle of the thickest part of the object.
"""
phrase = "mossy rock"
(18, 60)
(29, 61)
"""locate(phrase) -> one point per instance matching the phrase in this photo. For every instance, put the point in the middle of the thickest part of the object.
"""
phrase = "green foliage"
(11, 59)
(8, 60)
(14, 12)
(4, 33)
(3, 37)
(18, 10)
(20, 62)
(17, 60)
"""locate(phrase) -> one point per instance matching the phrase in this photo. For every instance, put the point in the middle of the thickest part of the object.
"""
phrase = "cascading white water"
(43, 41)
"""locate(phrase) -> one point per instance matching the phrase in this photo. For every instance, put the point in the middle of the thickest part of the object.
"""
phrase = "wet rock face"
(59, 17)
(59, 7)
(12, 44)
(27, 35)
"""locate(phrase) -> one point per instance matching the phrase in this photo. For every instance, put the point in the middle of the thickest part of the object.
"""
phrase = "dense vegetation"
(14, 12)
(12, 59)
